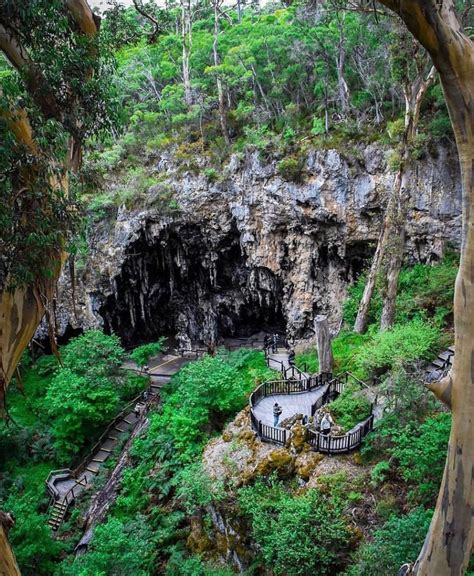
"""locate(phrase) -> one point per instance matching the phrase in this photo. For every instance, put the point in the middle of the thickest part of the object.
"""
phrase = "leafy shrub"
(86, 392)
(350, 408)
(396, 128)
(297, 535)
(291, 168)
(419, 453)
(202, 395)
(142, 354)
(401, 344)
(423, 290)
(93, 354)
(398, 541)
(345, 348)
(212, 175)
(117, 548)
(79, 406)
(440, 126)
(31, 538)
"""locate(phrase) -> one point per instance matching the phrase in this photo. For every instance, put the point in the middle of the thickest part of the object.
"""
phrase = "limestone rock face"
(252, 250)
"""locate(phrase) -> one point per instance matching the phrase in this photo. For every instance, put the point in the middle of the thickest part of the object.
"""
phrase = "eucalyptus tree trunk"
(448, 545)
(8, 565)
(388, 256)
(220, 89)
(186, 35)
(22, 308)
(323, 342)
(414, 94)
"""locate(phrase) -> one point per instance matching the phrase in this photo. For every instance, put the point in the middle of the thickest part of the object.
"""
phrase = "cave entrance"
(183, 282)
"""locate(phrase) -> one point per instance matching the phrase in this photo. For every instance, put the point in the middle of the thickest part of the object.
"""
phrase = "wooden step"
(120, 429)
(114, 438)
(446, 355)
(93, 470)
(106, 450)
(127, 421)
(98, 460)
(438, 363)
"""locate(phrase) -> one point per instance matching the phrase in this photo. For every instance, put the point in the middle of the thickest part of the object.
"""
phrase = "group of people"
(324, 423)
(271, 342)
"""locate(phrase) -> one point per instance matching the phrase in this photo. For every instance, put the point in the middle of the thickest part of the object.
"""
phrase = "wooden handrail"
(80, 467)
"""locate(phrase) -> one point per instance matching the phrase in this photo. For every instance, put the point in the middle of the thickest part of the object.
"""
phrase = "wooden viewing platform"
(300, 393)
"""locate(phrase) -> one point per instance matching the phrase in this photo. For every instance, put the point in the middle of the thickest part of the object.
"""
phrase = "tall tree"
(448, 545)
(187, 40)
(57, 72)
(221, 96)
(411, 69)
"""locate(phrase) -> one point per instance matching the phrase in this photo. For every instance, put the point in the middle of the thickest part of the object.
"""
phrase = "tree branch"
(34, 79)
(86, 20)
(139, 8)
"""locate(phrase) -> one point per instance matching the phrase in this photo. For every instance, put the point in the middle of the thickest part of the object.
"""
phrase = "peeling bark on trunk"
(414, 95)
(448, 545)
(22, 308)
(323, 340)
(8, 565)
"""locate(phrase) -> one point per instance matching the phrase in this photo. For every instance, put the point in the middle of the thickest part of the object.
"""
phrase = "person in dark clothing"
(275, 339)
(291, 358)
(277, 410)
(266, 341)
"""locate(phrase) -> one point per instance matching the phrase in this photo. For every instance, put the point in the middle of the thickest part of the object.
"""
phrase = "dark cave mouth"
(180, 284)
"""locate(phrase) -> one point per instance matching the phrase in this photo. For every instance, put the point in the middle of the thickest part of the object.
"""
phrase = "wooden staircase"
(57, 514)
(441, 365)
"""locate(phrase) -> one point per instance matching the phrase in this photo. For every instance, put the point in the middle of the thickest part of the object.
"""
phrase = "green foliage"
(142, 354)
(291, 168)
(345, 347)
(402, 343)
(413, 450)
(212, 175)
(85, 393)
(22, 492)
(196, 490)
(398, 541)
(297, 535)
(179, 565)
(417, 451)
(201, 396)
(423, 291)
(66, 91)
(93, 355)
(117, 549)
(350, 408)
(79, 407)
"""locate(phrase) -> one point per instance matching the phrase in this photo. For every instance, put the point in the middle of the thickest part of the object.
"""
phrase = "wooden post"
(323, 340)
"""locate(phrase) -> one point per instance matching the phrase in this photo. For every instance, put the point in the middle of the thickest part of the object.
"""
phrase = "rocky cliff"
(247, 249)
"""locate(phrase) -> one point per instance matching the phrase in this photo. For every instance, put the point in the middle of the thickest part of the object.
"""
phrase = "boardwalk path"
(291, 404)
(65, 485)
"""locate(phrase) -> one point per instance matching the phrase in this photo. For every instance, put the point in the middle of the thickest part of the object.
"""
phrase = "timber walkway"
(65, 485)
(301, 393)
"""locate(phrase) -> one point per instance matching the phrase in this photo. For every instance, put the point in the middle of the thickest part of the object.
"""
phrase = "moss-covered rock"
(279, 461)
